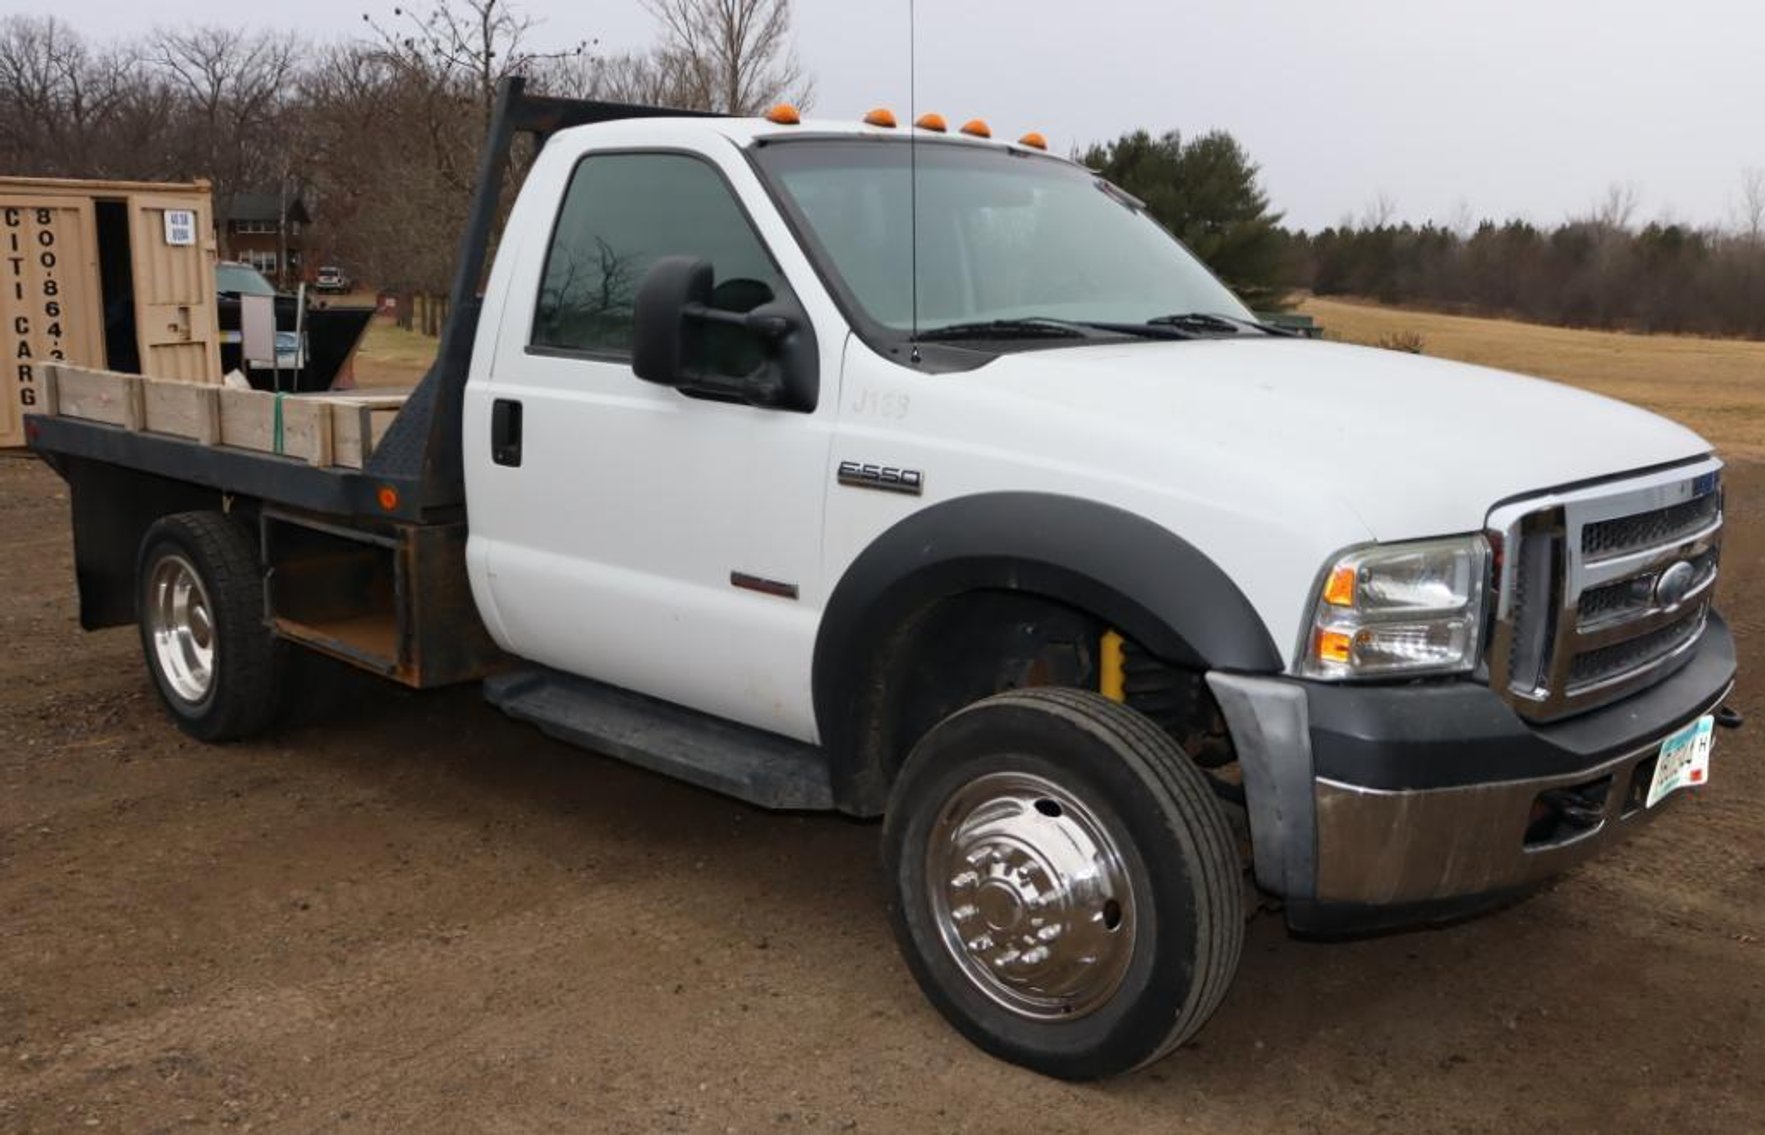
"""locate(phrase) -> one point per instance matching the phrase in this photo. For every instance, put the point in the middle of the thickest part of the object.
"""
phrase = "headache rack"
(1605, 590)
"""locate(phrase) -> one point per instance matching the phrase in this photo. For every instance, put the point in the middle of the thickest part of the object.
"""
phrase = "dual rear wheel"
(201, 617)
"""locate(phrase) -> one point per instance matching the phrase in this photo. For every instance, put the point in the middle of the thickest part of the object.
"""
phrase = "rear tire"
(1067, 891)
(200, 609)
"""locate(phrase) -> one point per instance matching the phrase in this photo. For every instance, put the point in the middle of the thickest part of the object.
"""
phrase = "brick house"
(253, 234)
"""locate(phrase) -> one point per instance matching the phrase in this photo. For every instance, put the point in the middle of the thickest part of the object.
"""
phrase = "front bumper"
(1379, 805)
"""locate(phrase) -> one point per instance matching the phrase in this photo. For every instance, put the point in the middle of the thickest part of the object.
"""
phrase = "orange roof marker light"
(388, 498)
(784, 114)
(976, 128)
(1034, 141)
(881, 116)
(931, 121)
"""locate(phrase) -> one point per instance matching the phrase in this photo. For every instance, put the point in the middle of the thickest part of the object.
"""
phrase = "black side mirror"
(664, 342)
(673, 315)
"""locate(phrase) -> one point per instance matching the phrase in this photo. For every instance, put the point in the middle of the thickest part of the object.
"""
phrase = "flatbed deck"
(305, 450)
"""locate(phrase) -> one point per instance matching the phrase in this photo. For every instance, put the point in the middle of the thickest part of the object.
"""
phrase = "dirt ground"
(419, 916)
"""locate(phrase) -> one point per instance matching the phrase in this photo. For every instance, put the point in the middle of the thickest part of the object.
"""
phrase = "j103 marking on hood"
(881, 404)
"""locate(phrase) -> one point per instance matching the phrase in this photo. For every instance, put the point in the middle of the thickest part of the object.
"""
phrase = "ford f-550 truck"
(916, 474)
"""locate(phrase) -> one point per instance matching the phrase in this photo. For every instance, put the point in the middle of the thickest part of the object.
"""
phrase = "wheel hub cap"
(1030, 895)
(181, 625)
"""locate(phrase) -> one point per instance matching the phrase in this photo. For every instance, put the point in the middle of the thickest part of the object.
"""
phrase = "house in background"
(253, 233)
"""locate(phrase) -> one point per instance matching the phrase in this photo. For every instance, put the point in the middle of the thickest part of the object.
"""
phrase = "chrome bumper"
(1380, 847)
(1443, 801)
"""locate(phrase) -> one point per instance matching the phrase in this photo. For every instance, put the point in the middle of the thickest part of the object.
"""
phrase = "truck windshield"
(1003, 236)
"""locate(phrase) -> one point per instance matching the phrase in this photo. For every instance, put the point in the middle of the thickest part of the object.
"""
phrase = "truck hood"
(1414, 446)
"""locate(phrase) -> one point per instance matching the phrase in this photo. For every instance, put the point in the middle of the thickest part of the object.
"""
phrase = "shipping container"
(110, 274)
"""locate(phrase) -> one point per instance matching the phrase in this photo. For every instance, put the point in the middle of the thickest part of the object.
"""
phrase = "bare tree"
(61, 102)
(1616, 211)
(1380, 211)
(472, 42)
(733, 56)
(1750, 210)
(652, 78)
(234, 89)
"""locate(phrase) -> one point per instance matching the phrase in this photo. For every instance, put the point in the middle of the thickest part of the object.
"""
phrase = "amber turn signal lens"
(1034, 141)
(881, 116)
(784, 114)
(1333, 646)
(931, 121)
(977, 128)
(388, 497)
(1339, 588)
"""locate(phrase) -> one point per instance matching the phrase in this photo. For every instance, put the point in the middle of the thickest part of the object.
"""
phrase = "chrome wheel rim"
(180, 623)
(1031, 896)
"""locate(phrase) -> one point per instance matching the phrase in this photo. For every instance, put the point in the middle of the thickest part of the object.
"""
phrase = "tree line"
(1598, 271)
(1602, 270)
(379, 132)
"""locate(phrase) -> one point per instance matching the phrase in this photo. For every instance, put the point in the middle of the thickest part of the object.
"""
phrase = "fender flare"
(1138, 576)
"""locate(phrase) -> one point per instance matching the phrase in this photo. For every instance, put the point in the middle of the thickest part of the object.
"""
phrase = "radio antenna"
(913, 183)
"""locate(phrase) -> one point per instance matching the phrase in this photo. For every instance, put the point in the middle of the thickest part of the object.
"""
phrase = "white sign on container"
(180, 226)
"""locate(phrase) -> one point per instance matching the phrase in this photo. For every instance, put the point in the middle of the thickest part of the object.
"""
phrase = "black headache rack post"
(421, 454)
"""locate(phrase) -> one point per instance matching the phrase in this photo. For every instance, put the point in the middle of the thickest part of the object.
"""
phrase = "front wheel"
(1067, 890)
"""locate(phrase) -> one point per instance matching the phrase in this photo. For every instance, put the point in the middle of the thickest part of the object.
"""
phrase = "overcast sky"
(1494, 107)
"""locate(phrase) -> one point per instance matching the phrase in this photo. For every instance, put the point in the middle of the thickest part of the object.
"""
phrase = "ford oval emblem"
(1673, 584)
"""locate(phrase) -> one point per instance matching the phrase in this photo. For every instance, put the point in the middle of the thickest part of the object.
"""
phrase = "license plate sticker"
(1684, 761)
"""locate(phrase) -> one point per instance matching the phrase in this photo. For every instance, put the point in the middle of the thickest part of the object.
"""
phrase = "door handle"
(505, 432)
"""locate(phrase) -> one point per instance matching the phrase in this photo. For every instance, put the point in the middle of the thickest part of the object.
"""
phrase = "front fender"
(1134, 575)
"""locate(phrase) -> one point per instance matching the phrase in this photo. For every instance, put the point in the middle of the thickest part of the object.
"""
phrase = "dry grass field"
(1715, 386)
(391, 356)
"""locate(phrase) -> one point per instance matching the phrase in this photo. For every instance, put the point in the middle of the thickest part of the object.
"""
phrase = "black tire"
(242, 694)
(1139, 788)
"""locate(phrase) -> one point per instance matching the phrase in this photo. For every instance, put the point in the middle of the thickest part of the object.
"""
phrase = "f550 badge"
(885, 477)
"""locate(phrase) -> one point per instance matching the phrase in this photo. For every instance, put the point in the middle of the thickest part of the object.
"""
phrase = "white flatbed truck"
(995, 516)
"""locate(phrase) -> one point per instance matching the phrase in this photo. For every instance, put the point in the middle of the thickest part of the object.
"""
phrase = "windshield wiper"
(1035, 328)
(1046, 327)
(1200, 320)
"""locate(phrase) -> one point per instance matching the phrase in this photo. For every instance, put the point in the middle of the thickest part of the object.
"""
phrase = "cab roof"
(745, 132)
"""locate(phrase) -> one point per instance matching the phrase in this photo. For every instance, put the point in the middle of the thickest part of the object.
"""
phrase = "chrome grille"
(1650, 529)
(1586, 612)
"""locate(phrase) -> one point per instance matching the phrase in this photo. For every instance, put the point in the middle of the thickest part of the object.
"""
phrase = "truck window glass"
(621, 213)
(1001, 236)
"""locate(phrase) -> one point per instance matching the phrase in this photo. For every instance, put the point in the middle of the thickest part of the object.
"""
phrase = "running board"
(749, 764)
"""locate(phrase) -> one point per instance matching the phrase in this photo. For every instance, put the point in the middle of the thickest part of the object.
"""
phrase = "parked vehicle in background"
(331, 279)
(234, 280)
(1052, 556)
(313, 341)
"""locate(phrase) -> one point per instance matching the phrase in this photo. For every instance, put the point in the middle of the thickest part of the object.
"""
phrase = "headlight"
(1400, 609)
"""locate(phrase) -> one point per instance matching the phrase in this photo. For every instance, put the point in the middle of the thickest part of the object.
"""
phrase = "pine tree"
(1205, 191)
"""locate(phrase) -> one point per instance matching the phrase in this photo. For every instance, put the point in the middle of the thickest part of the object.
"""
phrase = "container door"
(50, 309)
(172, 240)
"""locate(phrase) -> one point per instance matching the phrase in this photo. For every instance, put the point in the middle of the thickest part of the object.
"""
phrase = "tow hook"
(1728, 717)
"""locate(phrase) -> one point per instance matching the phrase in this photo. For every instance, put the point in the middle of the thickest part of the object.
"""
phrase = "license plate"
(1684, 761)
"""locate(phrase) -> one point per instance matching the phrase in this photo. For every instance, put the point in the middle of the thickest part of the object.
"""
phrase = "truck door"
(627, 532)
